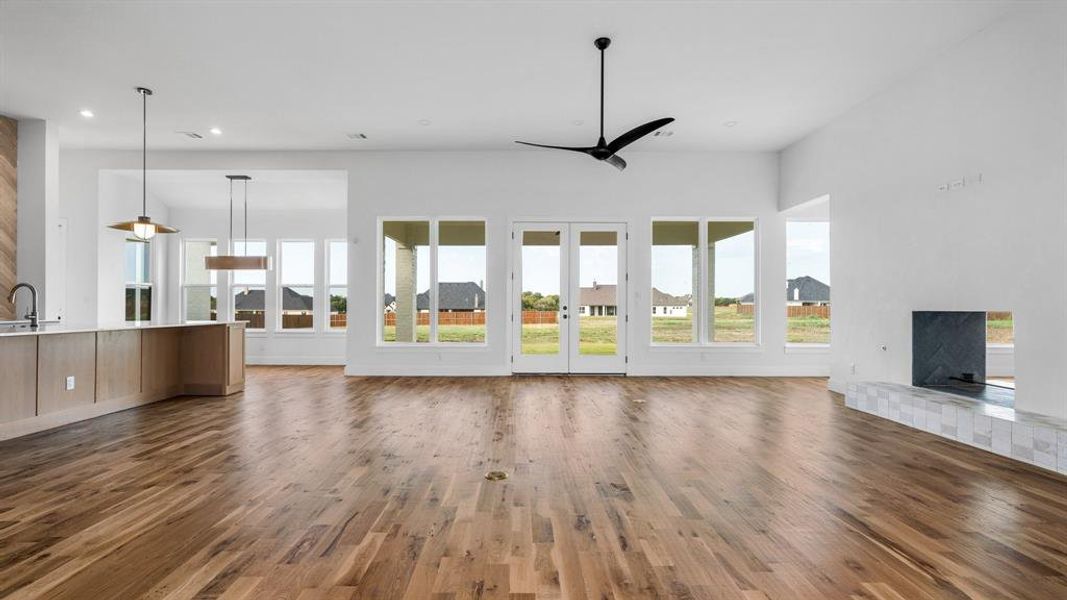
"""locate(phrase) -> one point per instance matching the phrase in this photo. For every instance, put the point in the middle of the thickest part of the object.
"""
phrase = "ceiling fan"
(603, 150)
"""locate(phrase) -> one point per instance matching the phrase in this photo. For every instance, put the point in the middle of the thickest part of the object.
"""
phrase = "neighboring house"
(251, 302)
(802, 291)
(666, 305)
(453, 296)
(598, 301)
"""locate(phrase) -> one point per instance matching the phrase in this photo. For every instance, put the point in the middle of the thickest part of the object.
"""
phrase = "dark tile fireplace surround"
(948, 354)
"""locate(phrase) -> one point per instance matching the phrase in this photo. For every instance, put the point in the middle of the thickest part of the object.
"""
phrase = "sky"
(807, 248)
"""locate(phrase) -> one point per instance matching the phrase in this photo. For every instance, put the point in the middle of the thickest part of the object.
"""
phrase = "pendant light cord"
(144, 154)
(245, 252)
(231, 216)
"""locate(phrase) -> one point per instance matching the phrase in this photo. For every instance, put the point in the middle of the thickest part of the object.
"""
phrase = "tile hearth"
(1030, 438)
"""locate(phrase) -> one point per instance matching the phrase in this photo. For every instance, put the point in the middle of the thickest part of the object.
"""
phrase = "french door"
(569, 298)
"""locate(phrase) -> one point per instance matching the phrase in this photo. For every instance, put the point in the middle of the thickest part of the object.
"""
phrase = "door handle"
(564, 311)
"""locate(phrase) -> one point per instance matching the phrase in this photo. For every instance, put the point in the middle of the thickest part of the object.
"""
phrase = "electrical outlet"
(70, 383)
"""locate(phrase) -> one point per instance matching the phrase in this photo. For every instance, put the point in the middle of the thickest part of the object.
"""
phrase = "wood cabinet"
(118, 365)
(60, 358)
(161, 373)
(18, 374)
(112, 370)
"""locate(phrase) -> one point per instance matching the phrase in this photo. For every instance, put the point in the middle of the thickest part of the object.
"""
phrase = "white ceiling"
(302, 74)
(268, 190)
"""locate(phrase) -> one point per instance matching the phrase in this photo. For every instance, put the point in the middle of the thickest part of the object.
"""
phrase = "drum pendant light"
(230, 262)
(143, 228)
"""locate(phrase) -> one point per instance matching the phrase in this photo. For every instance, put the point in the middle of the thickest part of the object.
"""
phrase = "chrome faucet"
(32, 315)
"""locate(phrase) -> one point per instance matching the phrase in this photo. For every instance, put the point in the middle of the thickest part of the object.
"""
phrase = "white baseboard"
(295, 360)
(729, 371)
(426, 370)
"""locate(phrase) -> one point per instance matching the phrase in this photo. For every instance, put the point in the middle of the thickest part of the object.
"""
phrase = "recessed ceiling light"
(730, 124)
(215, 131)
(85, 112)
(424, 122)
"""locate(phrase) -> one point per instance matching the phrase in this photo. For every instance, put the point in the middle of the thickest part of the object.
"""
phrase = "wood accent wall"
(8, 220)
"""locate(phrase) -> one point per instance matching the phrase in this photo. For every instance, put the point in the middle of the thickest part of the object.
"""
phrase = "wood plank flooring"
(312, 486)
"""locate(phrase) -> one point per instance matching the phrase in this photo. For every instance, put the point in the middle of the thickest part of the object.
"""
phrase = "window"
(445, 304)
(675, 268)
(250, 287)
(703, 281)
(461, 282)
(199, 285)
(296, 285)
(731, 281)
(138, 267)
(1000, 328)
(337, 283)
(807, 286)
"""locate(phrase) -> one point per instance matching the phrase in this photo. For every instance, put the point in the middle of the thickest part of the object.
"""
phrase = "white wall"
(120, 200)
(995, 105)
(505, 186)
(270, 346)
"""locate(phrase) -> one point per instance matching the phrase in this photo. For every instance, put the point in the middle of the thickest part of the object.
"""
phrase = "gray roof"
(811, 290)
(598, 295)
(453, 295)
(664, 299)
(253, 300)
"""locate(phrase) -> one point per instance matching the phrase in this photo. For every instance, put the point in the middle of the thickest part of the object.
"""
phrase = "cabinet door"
(18, 372)
(118, 365)
(62, 358)
(236, 373)
(160, 363)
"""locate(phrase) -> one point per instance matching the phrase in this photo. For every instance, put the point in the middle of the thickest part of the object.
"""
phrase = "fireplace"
(948, 353)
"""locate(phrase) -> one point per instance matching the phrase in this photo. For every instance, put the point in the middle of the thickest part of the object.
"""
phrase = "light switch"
(70, 383)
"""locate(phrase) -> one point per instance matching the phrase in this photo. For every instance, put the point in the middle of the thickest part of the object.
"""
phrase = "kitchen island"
(60, 373)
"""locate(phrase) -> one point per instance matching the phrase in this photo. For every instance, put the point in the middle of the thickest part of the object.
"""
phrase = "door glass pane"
(731, 280)
(675, 266)
(598, 278)
(461, 282)
(406, 281)
(540, 292)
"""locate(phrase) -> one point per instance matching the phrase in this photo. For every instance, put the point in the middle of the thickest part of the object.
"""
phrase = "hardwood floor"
(313, 486)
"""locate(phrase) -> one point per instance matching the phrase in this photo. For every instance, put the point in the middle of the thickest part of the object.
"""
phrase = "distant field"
(596, 335)
(729, 327)
(1001, 331)
(445, 333)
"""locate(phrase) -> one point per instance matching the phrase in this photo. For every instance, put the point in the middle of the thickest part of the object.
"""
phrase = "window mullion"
(702, 284)
(434, 235)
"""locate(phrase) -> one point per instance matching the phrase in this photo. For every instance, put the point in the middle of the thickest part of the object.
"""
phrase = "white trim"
(280, 284)
(298, 359)
(675, 370)
(806, 348)
(427, 370)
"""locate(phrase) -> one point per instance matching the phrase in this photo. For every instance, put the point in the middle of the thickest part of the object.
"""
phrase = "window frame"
(379, 288)
(814, 347)
(182, 304)
(232, 286)
(280, 284)
(704, 339)
(135, 285)
(328, 285)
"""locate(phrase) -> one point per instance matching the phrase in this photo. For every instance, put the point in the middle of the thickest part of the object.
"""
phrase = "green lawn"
(596, 335)
(1000, 331)
(807, 330)
(470, 334)
(730, 326)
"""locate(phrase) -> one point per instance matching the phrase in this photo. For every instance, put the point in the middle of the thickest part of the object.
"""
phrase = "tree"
(338, 304)
(537, 301)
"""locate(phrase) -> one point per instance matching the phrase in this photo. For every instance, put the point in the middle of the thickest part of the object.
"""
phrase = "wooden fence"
(823, 312)
(256, 320)
(443, 318)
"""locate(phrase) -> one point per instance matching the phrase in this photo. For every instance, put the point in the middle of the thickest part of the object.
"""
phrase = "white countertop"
(56, 328)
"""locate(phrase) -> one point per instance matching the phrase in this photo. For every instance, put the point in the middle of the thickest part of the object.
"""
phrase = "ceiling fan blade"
(637, 133)
(616, 161)
(571, 148)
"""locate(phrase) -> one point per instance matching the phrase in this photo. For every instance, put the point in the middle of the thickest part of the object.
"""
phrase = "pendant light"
(230, 262)
(143, 228)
